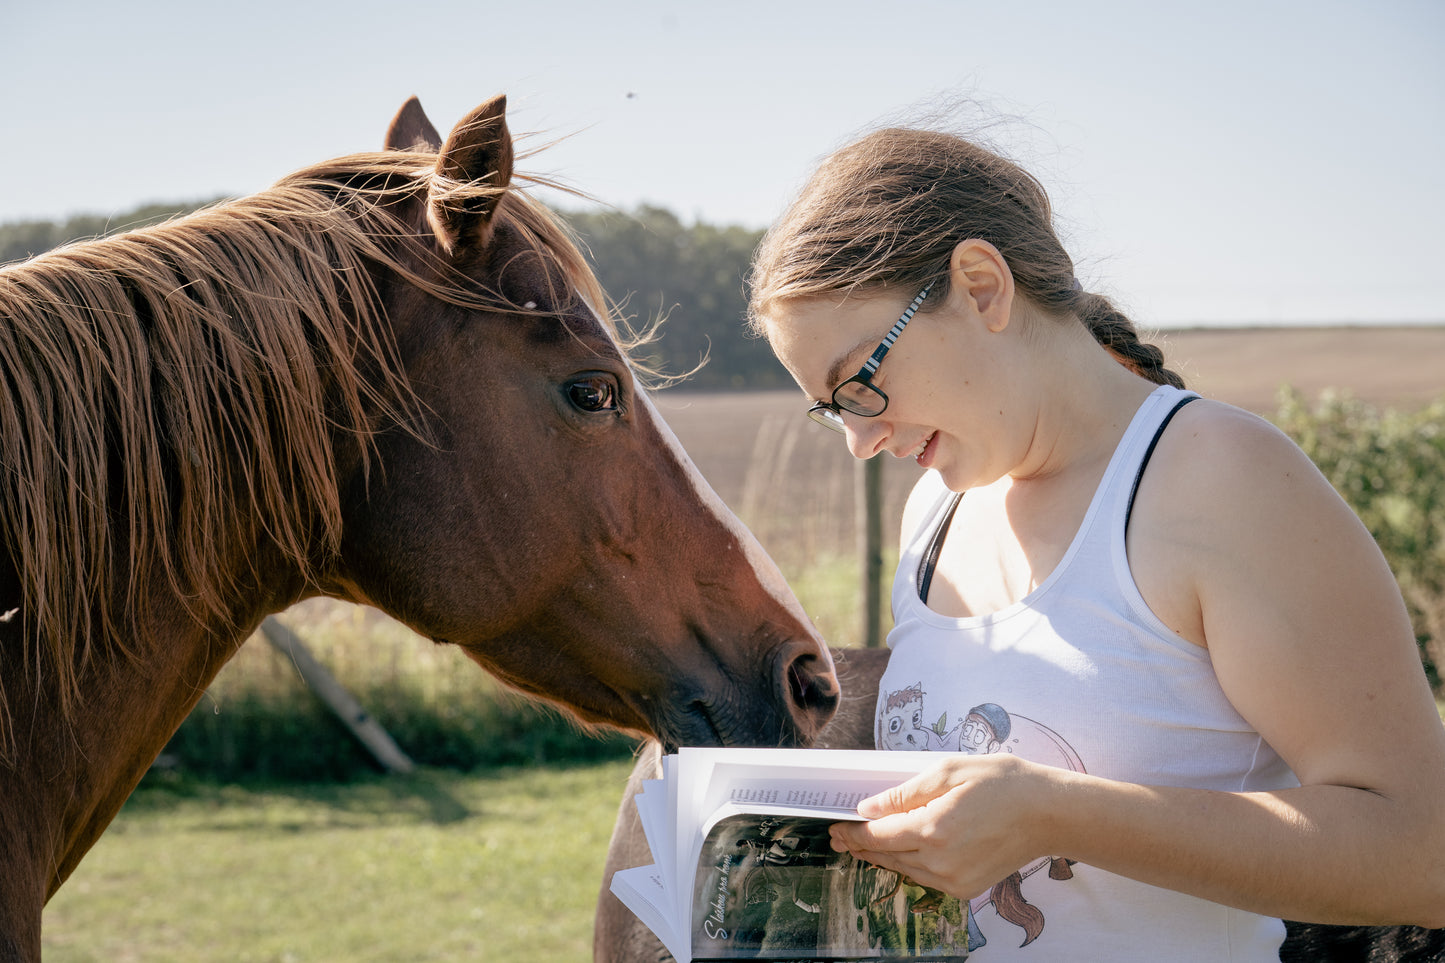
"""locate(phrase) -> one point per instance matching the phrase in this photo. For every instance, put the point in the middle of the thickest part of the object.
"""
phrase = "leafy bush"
(1390, 466)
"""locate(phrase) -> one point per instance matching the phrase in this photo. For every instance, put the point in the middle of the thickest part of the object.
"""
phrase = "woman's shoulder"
(1217, 445)
(1230, 514)
(1232, 476)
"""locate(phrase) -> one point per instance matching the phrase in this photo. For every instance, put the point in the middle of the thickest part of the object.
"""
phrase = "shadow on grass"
(443, 806)
(426, 795)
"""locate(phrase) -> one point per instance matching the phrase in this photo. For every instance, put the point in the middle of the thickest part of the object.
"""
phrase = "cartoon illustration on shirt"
(900, 724)
(985, 728)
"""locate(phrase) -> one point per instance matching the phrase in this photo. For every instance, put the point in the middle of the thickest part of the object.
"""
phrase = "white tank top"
(1080, 674)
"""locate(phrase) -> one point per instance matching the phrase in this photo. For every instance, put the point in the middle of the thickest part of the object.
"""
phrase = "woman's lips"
(926, 452)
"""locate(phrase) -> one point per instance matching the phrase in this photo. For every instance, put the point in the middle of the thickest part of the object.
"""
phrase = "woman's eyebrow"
(835, 373)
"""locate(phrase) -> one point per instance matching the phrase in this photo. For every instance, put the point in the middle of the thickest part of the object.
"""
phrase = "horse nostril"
(811, 689)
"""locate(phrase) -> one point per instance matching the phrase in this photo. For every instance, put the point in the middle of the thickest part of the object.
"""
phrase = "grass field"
(506, 865)
(430, 867)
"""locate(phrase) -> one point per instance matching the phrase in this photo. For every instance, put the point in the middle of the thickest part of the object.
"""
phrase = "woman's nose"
(865, 435)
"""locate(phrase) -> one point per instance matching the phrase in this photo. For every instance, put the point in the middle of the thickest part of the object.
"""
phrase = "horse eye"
(597, 393)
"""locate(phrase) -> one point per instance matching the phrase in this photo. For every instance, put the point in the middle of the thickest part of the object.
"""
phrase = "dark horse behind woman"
(620, 937)
(390, 379)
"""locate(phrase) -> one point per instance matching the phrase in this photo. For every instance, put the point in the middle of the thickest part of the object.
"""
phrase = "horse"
(392, 379)
(620, 937)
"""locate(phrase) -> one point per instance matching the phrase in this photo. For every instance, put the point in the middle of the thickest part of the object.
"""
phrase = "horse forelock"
(173, 394)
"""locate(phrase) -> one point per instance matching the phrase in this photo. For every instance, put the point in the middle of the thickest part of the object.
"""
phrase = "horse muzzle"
(802, 696)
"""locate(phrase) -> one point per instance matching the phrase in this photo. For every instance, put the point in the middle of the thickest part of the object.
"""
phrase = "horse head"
(543, 517)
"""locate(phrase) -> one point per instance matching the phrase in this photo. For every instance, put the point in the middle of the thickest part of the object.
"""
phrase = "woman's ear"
(980, 276)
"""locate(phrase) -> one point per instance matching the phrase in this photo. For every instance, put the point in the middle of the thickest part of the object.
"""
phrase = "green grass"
(831, 591)
(437, 866)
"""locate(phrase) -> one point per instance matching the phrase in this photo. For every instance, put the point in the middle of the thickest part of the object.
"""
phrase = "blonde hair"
(887, 210)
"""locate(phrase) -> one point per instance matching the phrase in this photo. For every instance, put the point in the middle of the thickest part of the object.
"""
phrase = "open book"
(744, 869)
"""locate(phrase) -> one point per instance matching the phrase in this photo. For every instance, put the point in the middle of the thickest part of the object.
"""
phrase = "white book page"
(801, 772)
(687, 780)
(643, 891)
(656, 819)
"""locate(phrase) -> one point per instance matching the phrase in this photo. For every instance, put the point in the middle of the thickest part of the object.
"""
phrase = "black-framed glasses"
(859, 395)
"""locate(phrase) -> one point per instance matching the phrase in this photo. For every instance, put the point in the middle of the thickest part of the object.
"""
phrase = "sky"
(1229, 162)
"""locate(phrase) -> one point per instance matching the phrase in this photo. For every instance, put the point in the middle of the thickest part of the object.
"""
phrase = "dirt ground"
(1401, 367)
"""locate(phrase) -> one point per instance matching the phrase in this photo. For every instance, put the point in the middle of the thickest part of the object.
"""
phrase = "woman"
(1189, 695)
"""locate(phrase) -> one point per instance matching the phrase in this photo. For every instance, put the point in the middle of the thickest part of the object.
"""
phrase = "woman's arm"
(1311, 643)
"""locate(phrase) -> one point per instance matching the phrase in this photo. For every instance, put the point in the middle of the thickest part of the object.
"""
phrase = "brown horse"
(620, 937)
(388, 379)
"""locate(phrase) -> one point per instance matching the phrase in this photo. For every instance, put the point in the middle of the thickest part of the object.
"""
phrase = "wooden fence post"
(334, 694)
(869, 487)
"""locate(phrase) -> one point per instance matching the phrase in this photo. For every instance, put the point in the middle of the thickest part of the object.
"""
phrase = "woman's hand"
(961, 826)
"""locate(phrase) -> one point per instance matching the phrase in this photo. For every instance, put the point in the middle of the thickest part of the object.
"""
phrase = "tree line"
(650, 262)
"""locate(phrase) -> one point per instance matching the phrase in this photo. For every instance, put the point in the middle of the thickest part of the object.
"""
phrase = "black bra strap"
(1149, 453)
(930, 557)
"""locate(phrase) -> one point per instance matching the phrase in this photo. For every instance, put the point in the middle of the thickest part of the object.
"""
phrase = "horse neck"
(71, 775)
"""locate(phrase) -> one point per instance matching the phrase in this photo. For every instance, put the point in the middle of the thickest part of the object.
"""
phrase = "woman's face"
(934, 377)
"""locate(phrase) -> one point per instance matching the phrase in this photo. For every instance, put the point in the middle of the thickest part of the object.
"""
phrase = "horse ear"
(410, 129)
(473, 170)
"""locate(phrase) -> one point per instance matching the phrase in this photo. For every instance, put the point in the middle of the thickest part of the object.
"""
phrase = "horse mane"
(173, 394)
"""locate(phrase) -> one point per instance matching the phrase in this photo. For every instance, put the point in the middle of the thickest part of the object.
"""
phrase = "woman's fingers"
(917, 791)
(960, 827)
(895, 833)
